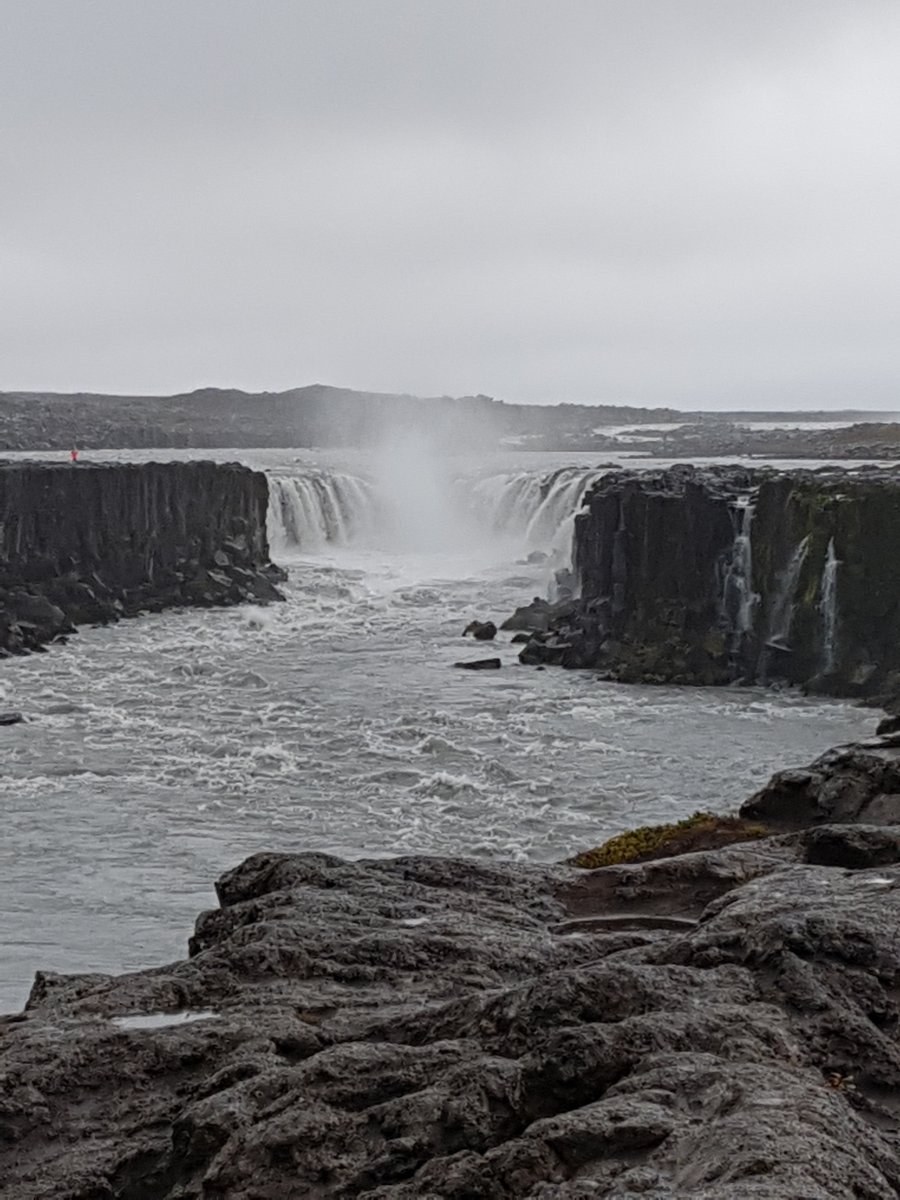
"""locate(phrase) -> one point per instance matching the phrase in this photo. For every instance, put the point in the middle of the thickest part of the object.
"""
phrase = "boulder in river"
(480, 664)
(481, 631)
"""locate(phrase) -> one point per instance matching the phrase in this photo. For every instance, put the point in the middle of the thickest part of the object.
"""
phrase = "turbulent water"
(163, 750)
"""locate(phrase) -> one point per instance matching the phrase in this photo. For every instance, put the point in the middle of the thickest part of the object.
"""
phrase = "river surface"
(159, 752)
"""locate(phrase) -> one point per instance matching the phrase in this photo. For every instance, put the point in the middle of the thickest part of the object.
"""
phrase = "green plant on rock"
(701, 831)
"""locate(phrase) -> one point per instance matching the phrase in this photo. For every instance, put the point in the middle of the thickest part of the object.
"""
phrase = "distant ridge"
(315, 415)
(320, 415)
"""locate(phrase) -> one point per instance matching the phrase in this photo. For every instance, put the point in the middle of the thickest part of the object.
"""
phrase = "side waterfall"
(828, 609)
(782, 613)
(738, 598)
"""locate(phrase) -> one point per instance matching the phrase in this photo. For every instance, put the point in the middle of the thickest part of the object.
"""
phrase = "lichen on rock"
(701, 831)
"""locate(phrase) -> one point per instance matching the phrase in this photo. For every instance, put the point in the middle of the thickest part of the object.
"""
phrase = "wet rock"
(480, 664)
(538, 616)
(11, 718)
(852, 846)
(424, 1027)
(481, 631)
(545, 650)
(519, 639)
(855, 783)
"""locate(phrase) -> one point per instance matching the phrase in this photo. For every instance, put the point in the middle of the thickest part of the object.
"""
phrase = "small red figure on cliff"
(73, 454)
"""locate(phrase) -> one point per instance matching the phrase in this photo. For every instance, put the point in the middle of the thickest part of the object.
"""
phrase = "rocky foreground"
(715, 1024)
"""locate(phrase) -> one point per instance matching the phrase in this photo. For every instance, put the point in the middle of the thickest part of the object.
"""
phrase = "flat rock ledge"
(720, 1024)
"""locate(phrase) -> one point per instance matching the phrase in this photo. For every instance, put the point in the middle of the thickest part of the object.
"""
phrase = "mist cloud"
(646, 202)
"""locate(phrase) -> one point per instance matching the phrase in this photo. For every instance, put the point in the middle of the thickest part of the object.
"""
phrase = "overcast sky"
(684, 202)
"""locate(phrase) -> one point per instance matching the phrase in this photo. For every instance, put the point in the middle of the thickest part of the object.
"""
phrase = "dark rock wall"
(710, 576)
(859, 519)
(93, 542)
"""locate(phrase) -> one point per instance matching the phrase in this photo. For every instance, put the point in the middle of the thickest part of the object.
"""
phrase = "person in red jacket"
(73, 454)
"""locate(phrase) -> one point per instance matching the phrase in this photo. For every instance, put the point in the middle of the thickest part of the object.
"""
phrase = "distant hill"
(319, 415)
(316, 415)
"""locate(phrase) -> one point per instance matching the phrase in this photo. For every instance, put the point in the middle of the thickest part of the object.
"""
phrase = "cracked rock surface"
(426, 1028)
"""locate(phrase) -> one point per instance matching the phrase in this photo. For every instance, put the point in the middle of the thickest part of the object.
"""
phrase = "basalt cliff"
(718, 1023)
(89, 543)
(718, 575)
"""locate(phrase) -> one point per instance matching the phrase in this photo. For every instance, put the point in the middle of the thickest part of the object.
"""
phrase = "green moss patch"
(702, 831)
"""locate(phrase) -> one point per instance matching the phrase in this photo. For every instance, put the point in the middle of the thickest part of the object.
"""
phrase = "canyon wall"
(93, 542)
(724, 574)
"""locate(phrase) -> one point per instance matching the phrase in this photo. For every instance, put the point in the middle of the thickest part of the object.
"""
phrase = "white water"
(782, 614)
(311, 510)
(738, 598)
(159, 752)
(828, 609)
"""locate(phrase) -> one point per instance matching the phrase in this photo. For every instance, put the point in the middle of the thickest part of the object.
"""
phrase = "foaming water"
(159, 752)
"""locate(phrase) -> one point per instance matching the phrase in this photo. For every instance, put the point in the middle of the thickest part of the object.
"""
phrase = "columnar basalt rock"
(723, 574)
(94, 542)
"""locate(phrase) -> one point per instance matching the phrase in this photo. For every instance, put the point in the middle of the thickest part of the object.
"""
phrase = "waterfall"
(318, 508)
(828, 609)
(782, 613)
(416, 504)
(536, 508)
(738, 598)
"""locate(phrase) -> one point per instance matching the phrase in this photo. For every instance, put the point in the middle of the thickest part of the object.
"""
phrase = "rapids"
(161, 751)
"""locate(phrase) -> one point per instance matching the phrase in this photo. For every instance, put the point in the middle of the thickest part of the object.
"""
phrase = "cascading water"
(412, 505)
(828, 609)
(782, 612)
(310, 511)
(738, 598)
(537, 509)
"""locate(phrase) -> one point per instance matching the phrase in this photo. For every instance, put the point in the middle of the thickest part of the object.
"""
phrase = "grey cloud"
(687, 203)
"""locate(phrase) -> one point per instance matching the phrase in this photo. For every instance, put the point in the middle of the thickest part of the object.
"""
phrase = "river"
(159, 752)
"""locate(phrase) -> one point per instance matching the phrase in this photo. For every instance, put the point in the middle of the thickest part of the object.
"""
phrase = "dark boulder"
(11, 718)
(480, 664)
(852, 846)
(890, 724)
(859, 783)
(481, 631)
(538, 616)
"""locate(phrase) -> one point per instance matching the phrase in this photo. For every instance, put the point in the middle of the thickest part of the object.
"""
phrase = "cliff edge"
(90, 543)
(718, 575)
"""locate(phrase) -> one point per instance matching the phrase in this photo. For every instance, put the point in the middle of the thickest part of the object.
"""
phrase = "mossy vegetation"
(702, 831)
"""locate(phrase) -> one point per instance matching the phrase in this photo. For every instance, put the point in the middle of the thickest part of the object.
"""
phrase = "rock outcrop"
(718, 1023)
(717, 575)
(89, 543)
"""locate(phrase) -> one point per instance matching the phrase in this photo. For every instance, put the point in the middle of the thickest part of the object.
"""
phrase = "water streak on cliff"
(828, 609)
(782, 613)
(738, 597)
